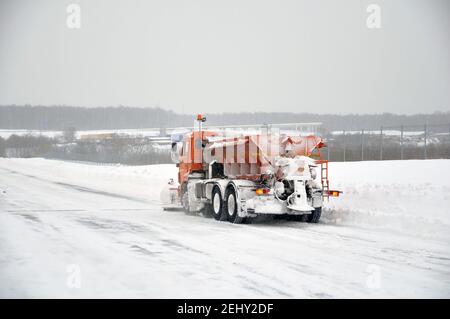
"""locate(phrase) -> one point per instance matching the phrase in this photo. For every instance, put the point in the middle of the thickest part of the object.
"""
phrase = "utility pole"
(381, 143)
(362, 145)
(346, 145)
(425, 133)
(401, 142)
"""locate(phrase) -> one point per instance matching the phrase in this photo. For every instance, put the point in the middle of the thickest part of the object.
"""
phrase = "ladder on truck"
(324, 177)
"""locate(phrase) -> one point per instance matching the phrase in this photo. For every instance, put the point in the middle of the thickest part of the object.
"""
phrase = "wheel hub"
(216, 203)
(231, 204)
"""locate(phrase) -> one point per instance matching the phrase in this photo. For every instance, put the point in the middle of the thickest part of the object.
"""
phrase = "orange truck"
(234, 176)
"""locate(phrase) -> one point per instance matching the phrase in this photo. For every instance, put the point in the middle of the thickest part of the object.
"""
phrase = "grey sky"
(228, 55)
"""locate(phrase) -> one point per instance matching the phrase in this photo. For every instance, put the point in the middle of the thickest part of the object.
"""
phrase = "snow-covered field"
(78, 230)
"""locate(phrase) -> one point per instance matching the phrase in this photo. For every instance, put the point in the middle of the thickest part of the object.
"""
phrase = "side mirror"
(174, 154)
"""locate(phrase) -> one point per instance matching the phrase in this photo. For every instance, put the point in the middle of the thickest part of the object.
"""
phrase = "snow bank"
(412, 197)
(141, 182)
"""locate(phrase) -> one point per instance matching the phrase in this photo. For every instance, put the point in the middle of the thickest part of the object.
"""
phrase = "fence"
(389, 143)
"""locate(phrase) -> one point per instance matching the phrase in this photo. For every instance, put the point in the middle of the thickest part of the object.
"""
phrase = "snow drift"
(411, 197)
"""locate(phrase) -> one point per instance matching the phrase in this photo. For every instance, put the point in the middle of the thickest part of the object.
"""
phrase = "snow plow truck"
(234, 176)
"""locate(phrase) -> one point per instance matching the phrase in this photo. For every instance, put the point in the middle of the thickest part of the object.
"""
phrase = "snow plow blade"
(169, 197)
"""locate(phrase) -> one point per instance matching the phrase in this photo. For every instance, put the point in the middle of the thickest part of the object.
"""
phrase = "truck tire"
(217, 204)
(185, 200)
(231, 207)
(314, 216)
(208, 210)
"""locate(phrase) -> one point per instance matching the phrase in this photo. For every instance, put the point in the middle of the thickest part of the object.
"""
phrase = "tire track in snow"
(83, 188)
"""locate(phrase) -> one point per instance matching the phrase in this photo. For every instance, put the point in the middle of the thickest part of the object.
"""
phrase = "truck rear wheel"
(314, 216)
(185, 200)
(208, 210)
(231, 207)
(217, 204)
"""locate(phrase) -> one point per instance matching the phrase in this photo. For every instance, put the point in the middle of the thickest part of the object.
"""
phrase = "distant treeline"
(82, 118)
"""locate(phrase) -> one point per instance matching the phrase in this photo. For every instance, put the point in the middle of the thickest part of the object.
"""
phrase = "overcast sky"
(228, 55)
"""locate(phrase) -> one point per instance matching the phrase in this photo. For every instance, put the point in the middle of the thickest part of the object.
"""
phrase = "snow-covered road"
(64, 224)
